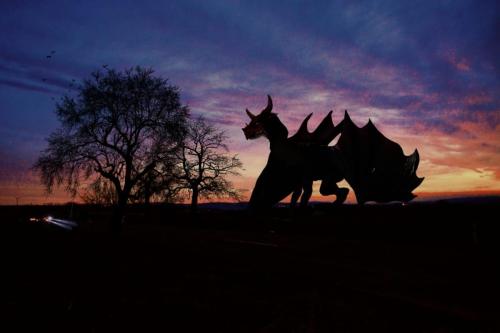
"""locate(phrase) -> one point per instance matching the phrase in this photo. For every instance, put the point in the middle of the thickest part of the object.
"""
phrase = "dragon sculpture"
(374, 166)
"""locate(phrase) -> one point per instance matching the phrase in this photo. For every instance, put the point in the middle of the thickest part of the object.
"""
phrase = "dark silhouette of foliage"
(204, 165)
(100, 192)
(159, 185)
(120, 126)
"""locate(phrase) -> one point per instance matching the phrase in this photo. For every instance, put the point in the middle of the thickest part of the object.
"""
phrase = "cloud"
(26, 86)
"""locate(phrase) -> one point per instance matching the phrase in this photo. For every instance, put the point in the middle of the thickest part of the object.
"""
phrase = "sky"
(426, 72)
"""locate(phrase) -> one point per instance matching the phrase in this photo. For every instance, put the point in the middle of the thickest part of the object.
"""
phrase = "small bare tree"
(205, 166)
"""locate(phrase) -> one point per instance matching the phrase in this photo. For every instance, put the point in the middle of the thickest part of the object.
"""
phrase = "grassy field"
(424, 267)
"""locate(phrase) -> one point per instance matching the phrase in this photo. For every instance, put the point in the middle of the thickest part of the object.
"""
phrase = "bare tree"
(159, 185)
(120, 126)
(204, 165)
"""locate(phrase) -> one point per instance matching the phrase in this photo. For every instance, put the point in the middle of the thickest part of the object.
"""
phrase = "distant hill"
(470, 200)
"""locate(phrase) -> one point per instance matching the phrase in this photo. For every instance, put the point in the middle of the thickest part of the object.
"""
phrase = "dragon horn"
(250, 114)
(269, 106)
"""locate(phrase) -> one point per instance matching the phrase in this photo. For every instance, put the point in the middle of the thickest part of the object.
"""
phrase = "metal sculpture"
(374, 166)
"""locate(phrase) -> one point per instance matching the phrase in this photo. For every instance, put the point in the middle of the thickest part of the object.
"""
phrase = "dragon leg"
(308, 188)
(341, 195)
(295, 196)
(330, 187)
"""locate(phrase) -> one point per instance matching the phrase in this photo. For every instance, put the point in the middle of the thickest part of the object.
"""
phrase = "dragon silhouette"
(374, 166)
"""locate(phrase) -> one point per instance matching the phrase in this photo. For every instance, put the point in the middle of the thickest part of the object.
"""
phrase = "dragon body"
(374, 166)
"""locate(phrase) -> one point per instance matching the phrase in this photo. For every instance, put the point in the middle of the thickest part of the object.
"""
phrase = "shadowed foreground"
(417, 268)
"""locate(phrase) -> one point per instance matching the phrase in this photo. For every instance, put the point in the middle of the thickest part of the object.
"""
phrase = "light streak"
(65, 224)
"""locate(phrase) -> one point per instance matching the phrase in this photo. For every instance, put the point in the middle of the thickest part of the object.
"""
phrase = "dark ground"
(383, 268)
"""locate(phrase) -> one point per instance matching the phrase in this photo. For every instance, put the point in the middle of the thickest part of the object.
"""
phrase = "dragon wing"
(322, 135)
(376, 167)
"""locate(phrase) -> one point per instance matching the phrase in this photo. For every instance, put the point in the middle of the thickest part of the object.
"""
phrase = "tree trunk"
(147, 196)
(194, 199)
(119, 214)
(147, 203)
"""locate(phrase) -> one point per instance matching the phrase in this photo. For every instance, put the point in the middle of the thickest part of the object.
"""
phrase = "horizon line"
(421, 197)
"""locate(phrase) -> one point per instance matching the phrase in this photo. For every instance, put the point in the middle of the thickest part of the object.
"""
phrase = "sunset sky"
(426, 72)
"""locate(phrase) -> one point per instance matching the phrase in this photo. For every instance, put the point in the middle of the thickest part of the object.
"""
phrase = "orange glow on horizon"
(463, 163)
(28, 194)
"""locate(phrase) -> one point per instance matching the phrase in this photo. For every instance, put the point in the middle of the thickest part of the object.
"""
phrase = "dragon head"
(257, 125)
